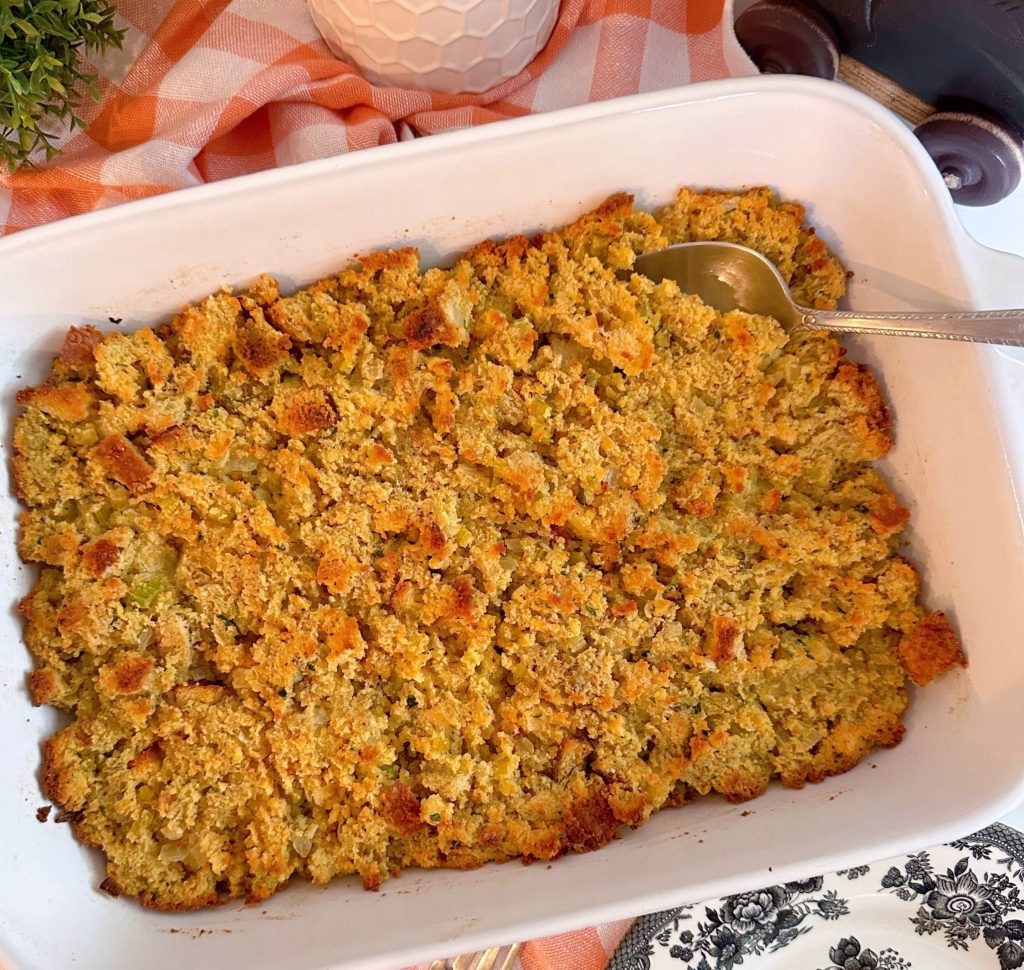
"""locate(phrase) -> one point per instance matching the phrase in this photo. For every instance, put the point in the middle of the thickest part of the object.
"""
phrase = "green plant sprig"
(41, 84)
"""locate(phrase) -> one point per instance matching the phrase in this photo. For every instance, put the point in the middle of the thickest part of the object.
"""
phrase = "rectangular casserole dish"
(875, 197)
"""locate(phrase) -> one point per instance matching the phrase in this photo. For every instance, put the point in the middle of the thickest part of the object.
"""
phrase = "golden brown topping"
(379, 457)
(149, 757)
(42, 685)
(79, 346)
(123, 461)
(460, 599)
(58, 550)
(427, 328)
(432, 538)
(874, 422)
(446, 566)
(259, 346)
(265, 291)
(127, 676)
(389, 259)
(402, 810)
(99, 556)
(739, 334)
(931, 648)
(343, 637)
(73, 617)
(725, 631)
(399, 364)
(590, 821)
(337, 572)
(173, 439)
(307, 411)
(888, 516)
(735, 477)
(69, 402)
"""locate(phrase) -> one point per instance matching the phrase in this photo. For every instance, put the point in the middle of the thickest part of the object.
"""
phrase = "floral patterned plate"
(959, 905)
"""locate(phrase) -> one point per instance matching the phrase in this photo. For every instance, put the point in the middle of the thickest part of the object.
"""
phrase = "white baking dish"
(876, 197)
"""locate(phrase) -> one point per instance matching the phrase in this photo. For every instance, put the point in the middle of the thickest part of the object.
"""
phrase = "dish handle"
(996, 279)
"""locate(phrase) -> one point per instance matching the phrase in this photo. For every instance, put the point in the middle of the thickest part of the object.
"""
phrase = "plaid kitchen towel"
(588, 949)
(209, 89)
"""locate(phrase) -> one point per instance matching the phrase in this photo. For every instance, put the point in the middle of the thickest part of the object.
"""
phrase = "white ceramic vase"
(455, 46)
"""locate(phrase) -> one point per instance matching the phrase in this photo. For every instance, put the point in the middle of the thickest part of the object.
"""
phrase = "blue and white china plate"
(958, 906)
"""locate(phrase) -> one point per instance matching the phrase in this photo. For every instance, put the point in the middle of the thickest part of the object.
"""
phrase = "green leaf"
(41, 76)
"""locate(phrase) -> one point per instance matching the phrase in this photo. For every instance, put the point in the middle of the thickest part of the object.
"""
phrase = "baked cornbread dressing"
(431, 568)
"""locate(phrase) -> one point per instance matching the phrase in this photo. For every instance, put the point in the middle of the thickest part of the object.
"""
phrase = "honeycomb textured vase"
(436, 45)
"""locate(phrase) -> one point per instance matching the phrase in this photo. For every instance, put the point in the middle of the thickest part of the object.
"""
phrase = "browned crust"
(405, 258)
(432, 538)
(153, 901)
(42, 685)
(110, 887)
(127, 676)
(887, 516)
(459, 599)
(428, 327)
(606, 220)
(402, 809)
(99, 556)
(441, 490)
(839, 761)
(311, 412)
(147, 758)
(499, 253)
(617, 206)
(68, 402)
(590, 821)
(78, 348)
(259, 346)
(874, 426)
(738, 787)
(930, 648)
(54, 775)
(725, 632)
(265, 290)
(124, 462)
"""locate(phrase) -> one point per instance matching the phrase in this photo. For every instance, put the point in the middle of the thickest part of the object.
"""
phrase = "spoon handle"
(976, 326)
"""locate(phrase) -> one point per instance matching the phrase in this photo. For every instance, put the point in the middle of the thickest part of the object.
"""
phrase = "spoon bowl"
(728, 276)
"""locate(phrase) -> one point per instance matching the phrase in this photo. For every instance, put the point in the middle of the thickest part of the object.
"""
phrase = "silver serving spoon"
(727, 276)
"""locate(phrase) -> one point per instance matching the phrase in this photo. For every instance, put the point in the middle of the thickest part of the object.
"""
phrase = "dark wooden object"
(954, 68)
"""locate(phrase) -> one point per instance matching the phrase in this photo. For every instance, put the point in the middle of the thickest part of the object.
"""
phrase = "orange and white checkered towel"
(587, 949)
(208, 89)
